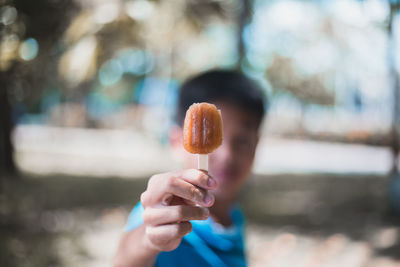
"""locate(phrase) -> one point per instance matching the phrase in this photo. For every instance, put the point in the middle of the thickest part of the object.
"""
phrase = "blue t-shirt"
(208, 244)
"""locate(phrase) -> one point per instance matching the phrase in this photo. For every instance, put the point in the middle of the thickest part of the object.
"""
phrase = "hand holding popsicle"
(171, 200)
(202, 131)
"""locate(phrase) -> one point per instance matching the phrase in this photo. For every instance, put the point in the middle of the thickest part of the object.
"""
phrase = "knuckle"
(153, 179)
(165, 240)
(197, 213)
(157, 176)
(151, 235)
(180, 213)
(171, 182)
(158, 240)
(196, 174)
(195, 193)
(184, 228)
(200, 175)
(158, 179)
(143, 198)
(204, 179)
(194, 213)
(148, 217)
(198, 178)
(174, 231)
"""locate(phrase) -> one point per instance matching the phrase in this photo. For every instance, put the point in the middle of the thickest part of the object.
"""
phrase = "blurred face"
(231, 163)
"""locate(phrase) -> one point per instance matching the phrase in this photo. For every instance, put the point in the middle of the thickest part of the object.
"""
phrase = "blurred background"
(87, 95)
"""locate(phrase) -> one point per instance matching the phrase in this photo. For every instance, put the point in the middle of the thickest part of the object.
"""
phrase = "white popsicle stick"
(202, 162)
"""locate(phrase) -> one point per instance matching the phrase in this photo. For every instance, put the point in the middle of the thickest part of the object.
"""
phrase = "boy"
(189, 217)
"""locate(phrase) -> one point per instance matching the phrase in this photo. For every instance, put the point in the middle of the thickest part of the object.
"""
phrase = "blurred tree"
(283, 77)
(243, 18)
(395, 81)
(7, 165)
(26, 66)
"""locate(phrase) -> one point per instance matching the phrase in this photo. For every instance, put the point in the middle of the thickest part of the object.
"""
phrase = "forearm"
(133, 250)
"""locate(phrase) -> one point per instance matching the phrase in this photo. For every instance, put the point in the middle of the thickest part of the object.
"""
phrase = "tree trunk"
(395, 82)
(243, 18)
(7, 165)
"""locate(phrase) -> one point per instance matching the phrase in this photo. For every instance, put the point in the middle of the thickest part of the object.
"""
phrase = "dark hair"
(221, 85)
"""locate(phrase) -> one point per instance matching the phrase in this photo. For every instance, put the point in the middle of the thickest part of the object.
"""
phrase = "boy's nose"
(223, 154)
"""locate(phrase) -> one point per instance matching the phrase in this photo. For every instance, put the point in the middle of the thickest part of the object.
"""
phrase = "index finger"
(199, 178)
(190, 184)
(166, 186)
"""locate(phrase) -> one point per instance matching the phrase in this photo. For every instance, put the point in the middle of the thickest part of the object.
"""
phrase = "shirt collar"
(217, 236)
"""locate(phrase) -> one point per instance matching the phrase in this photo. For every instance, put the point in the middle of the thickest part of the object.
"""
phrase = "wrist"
(135, 250)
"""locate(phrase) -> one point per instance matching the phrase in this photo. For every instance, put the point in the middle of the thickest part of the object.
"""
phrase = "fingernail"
(208, 199)
(211, 182)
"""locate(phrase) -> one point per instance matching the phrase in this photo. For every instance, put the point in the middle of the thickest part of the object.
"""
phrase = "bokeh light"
(8, 50)
(136, 61)
(79, 62)
(29, 49)
(106, 12)
(140, 9)
(8, 15)
(110, 72)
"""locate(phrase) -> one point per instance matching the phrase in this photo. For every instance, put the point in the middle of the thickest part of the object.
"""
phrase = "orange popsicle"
(202, 131)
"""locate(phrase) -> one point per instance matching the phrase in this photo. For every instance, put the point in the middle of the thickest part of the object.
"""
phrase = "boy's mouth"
(225, 175)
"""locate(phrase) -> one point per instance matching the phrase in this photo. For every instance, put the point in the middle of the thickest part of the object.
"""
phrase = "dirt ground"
(293, 220)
